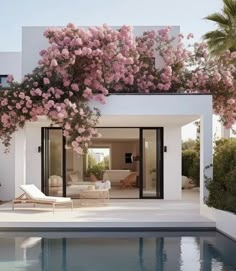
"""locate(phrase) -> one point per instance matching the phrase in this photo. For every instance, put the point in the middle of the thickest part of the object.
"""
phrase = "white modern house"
(147, 127)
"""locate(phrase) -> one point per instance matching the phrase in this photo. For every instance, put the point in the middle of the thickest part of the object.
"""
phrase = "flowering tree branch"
(83, 65)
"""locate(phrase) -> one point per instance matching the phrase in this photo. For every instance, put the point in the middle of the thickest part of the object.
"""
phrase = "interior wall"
(69, 160)
(149, 158)
(74, 164)
(118, 150)
(55, 139)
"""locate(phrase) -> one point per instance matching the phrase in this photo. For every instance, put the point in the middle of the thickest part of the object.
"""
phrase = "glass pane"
(149, 163)
(3, 81)
(98, 161)
(115, 157)
(74, 173)
(55, 146)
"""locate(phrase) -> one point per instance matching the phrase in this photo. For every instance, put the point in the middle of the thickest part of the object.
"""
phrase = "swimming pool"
(117, 251)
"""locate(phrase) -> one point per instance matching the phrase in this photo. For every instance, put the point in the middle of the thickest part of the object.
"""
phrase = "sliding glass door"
(73, 172)
(62, 167)
(52, 161)
(64, 171)
(151, 164)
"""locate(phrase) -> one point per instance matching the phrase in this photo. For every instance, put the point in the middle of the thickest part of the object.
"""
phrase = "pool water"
(114, 251)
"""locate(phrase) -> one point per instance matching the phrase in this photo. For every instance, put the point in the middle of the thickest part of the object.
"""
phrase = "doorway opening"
(130, 158)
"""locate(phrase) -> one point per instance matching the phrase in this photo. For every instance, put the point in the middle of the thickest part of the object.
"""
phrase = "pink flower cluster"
(82, 65)
(79, 65)
(89, 61)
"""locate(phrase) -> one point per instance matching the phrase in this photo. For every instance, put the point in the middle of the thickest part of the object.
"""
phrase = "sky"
(188, 14)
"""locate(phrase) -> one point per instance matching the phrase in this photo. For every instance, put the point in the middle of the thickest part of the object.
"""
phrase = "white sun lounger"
(33, 195)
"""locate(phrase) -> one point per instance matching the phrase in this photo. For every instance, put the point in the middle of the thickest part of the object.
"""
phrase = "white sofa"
(75, 189)
(90, 189)
(115, 175)
(74, 186)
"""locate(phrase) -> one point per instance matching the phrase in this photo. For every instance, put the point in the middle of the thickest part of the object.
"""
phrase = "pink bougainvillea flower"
(46, 81)
(81, 65)
(10, 78)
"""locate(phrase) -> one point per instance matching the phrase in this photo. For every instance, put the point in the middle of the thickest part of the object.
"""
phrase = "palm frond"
(216, 34)
(216, 41)
(229, 8)
(217, 49)
(212, 43)
(219, 46)
(224, 37)
(218, 18)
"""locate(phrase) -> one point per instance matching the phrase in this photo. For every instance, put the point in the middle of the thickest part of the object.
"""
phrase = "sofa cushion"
(103, 185)
(74, 177)
(55, 181)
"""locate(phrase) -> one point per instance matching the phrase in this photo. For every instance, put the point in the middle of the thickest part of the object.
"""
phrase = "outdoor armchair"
(129, 181)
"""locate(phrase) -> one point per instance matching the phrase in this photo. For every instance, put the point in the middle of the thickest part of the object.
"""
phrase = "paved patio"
(122, 213)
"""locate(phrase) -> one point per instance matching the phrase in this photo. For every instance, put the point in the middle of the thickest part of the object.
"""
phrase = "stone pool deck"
(117, 214)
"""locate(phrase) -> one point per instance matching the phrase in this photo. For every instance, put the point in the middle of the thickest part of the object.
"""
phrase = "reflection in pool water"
(131, 251)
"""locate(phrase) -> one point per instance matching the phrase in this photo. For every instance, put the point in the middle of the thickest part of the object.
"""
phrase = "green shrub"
(191, 165)
(187, 161)
(189, 144)
(97, 170)
(222, 188)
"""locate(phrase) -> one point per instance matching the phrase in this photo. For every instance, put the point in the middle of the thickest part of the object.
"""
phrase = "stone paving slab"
(123, 213)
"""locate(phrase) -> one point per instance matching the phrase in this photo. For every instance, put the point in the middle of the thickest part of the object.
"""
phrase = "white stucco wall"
(153, 109)
(172, 163)
(157, 105)
(33, 157)
(168, 111)
(23, 164)
(10, 63)
(33, 42)
(172, 159)
(20, 157)
(7, 172)
(225, 221)
(12, 167)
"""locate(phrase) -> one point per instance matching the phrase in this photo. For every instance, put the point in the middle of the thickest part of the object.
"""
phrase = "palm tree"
(224, 37)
